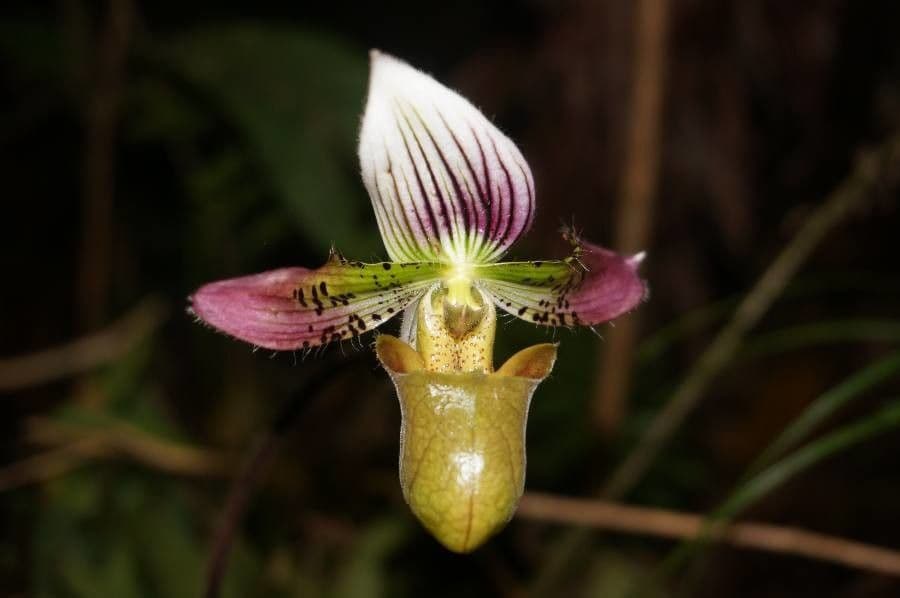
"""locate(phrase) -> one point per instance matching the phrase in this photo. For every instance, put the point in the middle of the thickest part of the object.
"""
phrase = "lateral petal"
(598, 286)
(298, 308)
(446, 185)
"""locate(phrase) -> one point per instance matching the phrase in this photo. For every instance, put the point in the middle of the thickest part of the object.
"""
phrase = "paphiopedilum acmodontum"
(451, 194)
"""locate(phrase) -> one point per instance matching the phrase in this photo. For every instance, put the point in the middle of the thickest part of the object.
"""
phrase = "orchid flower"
(451, 195)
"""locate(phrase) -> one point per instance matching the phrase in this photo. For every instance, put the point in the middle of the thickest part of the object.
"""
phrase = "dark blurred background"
(150, 147)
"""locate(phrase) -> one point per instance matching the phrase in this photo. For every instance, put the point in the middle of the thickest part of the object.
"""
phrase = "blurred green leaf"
(654, 347)
(297, 97)
(819, 333)
(826, 405)
(113, 529)
(108, 531)
(32, 49)
(769, 479)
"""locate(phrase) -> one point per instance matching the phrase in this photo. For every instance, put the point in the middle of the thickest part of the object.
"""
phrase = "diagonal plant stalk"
(765, 481)
(823, 407)
(84, 353)
(760, 472)
(867, 330)
(259, 460)
(697, 530)
(705, 317)
(873, 168)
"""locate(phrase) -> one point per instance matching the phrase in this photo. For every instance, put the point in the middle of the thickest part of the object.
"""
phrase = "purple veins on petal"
(298, 308)
(427, 153)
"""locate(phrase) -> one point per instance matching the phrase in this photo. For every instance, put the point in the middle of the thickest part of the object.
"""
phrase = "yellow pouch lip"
(462, 440)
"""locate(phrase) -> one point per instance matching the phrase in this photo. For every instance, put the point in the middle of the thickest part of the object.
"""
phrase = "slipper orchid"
(451, 195)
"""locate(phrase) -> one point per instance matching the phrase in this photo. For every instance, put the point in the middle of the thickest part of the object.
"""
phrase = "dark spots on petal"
(306, 344)
(323, 288)
(522, 311)
(376, 318)
(386, 265)
(302, 299)
(390, 310)
(537, 264)
(310, 328)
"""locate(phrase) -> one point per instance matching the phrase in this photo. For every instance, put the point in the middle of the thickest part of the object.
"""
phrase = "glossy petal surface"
(445, 183)
(297, 308)
(462, 441)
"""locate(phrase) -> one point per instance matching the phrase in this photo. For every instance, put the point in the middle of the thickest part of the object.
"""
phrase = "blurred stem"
(101, 114)
(51, 464)
(73, 446)
(755, 487)
(256, 467)
(85, 353)
(251, 474)
(871, 168)
(635, 213)
(824, 407)
(671, 524)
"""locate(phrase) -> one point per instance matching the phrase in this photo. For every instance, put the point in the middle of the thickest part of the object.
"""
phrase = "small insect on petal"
(598, 286)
